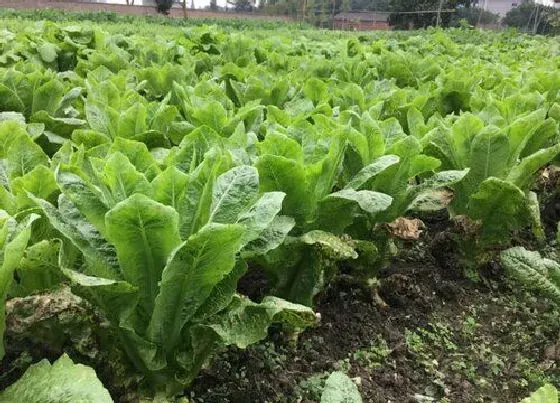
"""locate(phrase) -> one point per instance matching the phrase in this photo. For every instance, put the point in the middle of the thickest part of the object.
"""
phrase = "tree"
(163, 6)
(289, 8)
(533, 18)
(554, 21)
(310, 14)
(241, 5)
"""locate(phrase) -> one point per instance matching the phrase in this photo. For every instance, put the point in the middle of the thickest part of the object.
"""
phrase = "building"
(549, 3)
(361, 21)
(502, 7)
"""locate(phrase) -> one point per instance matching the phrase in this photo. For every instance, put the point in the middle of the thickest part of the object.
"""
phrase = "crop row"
(152, 173)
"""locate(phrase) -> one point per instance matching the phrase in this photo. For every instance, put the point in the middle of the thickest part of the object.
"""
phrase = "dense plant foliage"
(133, 22)
(151, 171)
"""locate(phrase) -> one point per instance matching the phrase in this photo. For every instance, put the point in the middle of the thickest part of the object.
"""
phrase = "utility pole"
(536, 24)
(332, 14)
(439, 13)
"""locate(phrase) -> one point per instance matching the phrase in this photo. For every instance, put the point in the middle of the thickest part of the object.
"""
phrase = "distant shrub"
(163, 6)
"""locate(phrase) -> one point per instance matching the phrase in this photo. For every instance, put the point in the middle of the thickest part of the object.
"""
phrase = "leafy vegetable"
(61, 382)
(176, 296)
(532, 271)
(339, 388)
(545, 394)
(502, 165)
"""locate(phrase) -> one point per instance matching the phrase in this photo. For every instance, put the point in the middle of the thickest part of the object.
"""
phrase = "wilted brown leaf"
(405, 228)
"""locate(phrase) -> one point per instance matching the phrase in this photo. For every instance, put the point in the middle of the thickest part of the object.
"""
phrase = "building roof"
(362, 17)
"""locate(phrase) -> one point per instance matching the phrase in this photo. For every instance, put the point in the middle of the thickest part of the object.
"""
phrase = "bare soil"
(447, 338)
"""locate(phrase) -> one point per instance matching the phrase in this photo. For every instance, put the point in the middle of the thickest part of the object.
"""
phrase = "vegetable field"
(239, 214)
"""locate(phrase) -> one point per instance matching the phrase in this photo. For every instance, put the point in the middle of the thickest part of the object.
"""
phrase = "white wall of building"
(503, 6)
(549, 3)
(499, 6)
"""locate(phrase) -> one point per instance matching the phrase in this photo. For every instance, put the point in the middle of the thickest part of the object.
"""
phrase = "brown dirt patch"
(421, 300)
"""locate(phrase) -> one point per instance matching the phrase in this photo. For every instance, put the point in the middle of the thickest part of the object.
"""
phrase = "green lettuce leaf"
(500, 207)
(545, 394)
(13, 241)
(233, 193)
(189, 277)
(339, 388)
(144, 233)
(532, 271)
(99, 254)
(61, 382)
(246, 322)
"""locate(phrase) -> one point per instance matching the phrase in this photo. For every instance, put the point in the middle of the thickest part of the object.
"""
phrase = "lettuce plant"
(24, 167)
(337, 181)
(411, 178)
(114, 109)
(307, 171)
(503, 162)
(42, 98)
(161, 258)
(207, 104)
(413, 184)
